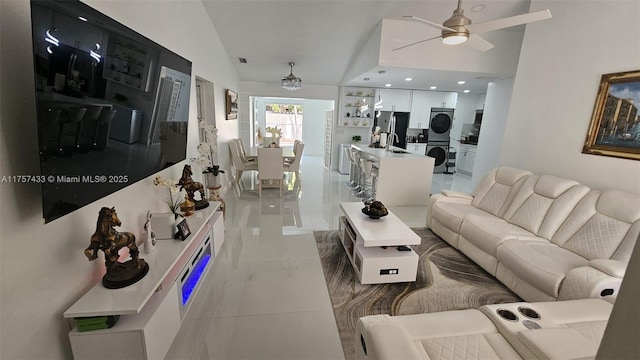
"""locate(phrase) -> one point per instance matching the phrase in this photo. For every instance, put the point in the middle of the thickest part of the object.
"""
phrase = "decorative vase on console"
(208, 155)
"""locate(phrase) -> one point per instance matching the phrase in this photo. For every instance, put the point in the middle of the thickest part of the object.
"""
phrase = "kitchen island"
(404, 179)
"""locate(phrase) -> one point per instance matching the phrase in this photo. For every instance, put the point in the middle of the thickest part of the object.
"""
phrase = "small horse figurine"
(191, 187)
(110, 241)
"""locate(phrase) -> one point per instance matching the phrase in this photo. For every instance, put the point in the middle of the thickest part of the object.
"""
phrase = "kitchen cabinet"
(417, 148)
(127, 62)
(357, 107)
(465, 159)
(394, 100)
(423, 101)
(77, 33)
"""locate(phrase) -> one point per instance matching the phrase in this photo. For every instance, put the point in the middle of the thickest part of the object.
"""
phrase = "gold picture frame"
(231, 104)
(615, 125)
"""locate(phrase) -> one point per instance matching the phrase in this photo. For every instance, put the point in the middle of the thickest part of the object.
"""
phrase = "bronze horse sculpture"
(191, 187)
(110, 241)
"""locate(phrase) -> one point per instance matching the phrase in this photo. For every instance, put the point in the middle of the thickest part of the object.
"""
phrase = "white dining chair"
(243, 151)
(239, 163)
(270, 169)
(294, 164)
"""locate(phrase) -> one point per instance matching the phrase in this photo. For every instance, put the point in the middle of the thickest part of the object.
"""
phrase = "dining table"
(287, 152)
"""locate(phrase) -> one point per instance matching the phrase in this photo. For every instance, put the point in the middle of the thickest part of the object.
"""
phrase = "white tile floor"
(265, 296)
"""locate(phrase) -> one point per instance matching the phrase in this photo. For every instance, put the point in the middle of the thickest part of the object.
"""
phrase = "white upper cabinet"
(394, 100)
(423, 101)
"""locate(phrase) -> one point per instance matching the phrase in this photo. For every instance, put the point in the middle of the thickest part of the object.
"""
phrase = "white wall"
(556, 85)
(493, 126)
(43, 268)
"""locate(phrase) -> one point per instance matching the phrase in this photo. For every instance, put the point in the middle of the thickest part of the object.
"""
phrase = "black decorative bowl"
(366, 211)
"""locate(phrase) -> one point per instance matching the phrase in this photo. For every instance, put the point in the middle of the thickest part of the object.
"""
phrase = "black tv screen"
(113, 106)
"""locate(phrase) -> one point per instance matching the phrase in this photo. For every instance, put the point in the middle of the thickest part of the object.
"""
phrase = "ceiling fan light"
(454, 38)
(291, 82)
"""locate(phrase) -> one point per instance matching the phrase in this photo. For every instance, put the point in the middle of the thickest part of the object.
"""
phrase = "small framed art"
(183, 230)
(232, 104)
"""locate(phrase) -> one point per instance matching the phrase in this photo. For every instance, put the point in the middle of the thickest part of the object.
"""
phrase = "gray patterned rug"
(447, 280)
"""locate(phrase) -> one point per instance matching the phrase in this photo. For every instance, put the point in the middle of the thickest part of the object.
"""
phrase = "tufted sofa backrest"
(604, 225)
(497, 189)
(543, 203)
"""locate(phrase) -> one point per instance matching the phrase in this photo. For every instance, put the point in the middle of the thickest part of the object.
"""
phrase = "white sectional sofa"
(545, 237)
(561, 330)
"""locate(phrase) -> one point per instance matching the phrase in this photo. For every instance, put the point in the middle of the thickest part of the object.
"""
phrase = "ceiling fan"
(458, 28)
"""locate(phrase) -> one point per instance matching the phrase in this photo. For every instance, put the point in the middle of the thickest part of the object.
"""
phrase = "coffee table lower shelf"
(378, 265)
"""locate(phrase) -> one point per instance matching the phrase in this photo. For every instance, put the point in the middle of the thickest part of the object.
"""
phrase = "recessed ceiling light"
(433, 87)
(82, 18)
(477, 8)
(366, 79)
(466, 91)
(381, 72)
(387, 85)
(408, 79)
(242, 60)
(461, 82)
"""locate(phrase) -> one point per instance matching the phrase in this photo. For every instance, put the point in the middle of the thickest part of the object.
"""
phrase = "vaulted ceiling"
(324, 37)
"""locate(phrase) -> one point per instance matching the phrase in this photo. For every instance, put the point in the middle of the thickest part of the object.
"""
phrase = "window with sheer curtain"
(288, 118)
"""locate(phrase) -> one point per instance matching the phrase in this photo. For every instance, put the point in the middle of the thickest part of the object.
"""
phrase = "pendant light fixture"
(291, 82)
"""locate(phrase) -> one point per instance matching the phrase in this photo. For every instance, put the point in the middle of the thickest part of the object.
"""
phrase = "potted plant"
(207, 150)
(356, 139)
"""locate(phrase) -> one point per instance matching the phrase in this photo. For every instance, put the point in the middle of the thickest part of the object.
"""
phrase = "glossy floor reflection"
(265, 296)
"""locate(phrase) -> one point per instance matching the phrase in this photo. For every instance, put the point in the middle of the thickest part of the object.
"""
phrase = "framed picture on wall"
(232, 104)
(615, 123)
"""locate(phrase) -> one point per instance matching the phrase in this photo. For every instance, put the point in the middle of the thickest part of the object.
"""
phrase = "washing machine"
(440, 152)
(440, 124)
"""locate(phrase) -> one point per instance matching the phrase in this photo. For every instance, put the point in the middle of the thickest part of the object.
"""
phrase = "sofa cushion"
(487, 232)
(543, 203)
(539, 263)
(604, 225)
(497, 189)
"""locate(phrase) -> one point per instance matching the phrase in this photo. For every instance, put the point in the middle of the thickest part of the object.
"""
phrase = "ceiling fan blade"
(492, 25)
(479, 43)
(432, 24)
(416, 43)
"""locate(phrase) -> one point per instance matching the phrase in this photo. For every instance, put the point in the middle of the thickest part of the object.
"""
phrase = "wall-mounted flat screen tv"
(113, 106)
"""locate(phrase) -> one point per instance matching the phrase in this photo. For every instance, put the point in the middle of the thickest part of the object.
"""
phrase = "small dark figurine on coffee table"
(190, 186)
(110, 241)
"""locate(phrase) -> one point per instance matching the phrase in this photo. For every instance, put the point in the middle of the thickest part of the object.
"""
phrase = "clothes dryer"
(440, 152)
(440, 124)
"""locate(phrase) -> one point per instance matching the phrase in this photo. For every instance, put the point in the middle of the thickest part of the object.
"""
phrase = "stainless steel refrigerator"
(396, 122)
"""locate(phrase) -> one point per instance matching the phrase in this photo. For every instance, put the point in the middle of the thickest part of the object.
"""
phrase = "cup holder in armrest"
(529, 312)
(509, 315)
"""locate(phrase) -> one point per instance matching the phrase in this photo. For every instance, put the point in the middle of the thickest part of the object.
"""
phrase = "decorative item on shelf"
(110, 241)
(356, 139)
(208, 153)
(291, 82)
(191, 187)
(375, 210)
(149, 236)
(348, 114)
(187, 207)
(259, 137)
(375, 137)
(173, 204)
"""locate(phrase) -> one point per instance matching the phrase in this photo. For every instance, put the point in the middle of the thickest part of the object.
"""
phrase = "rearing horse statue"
(190, 186)
(107, 239)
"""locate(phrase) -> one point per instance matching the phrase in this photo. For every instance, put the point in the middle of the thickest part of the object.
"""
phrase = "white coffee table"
(378, 248)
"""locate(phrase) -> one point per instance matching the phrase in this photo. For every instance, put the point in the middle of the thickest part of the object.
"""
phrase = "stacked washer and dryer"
(440, 123)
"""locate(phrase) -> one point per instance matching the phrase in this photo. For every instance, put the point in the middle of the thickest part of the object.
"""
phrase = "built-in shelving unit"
(357, 109)
(127, 62)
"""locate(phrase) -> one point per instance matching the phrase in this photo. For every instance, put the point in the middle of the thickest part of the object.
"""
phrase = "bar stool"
(46, 123)
(90, 117)
(358, 190)
(73, 116)
(368, 173)
(102, 123)
(349, 154)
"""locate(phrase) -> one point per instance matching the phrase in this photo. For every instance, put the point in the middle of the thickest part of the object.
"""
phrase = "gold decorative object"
(110, 241)
(187, 206)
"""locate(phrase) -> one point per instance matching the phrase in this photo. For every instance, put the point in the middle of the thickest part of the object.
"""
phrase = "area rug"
(446, 280)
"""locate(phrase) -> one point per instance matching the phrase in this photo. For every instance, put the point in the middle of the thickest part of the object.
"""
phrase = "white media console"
(152, 309)
(377, 248)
